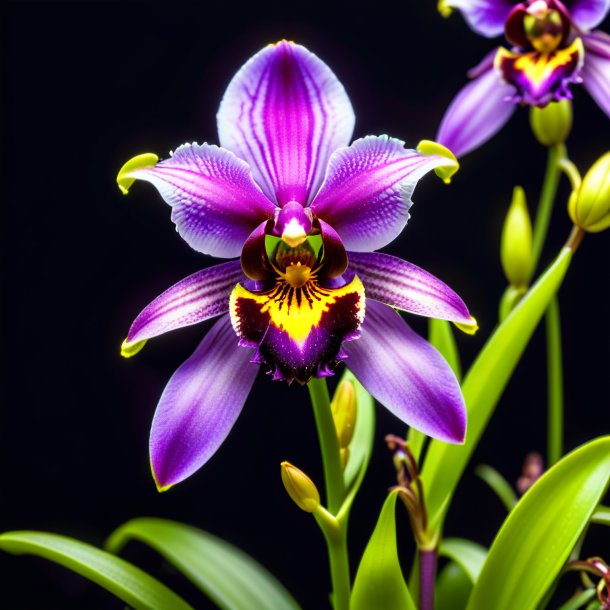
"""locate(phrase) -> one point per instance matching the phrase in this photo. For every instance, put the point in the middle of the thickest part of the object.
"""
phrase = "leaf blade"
(467, 554)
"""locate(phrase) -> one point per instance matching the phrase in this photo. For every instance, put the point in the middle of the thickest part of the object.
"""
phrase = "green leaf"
(579, 600)
(469, 555)
(440, 334)
(601, 515)
(232, 579)
(453, 588)
(361, 445)
(539, 533)
(498, 484)
(126, 581)
(379, 582)
(483, 386)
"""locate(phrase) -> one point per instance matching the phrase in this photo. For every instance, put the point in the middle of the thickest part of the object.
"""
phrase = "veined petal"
(367, 191)
(588, 14)
(407, 375)
(215, 202)
(405, 286)
(199, 296)
(285, 112)
(596, 70)
(199, 405)
(485, 17)
(298, 331)
(476, 114)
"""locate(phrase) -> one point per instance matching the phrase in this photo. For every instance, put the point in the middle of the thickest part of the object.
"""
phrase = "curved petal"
(335, 256)
(199, 296)
(407, 375)
(485, 17)
(285, 112)
(405, 286)
(588, 14)
(476, 114)
(215, 202)
(596, 71)
(199, 405)
(367, 191)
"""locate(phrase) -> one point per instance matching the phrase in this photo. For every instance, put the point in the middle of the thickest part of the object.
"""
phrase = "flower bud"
(589, 206)
(552, 124)
(300, 488)
(344, 410)
(516, 245)
(510, 299)
(444, 172)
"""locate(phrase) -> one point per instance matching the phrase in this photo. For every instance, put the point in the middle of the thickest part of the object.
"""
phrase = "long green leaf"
(126, 581)
(601, 516)
(361, 446)
(469, 555)
(453, 588)
(539, 533)
(579, 600)
(498, 484)
(232, 579)
(483, 387)
(379, 581)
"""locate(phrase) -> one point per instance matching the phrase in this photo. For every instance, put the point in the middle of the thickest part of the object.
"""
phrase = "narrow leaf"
(379, 582)
(540, 532)
(469, 555)
(361, 445)
(498, 484)
(483, 386)
(229, 577)
(135, 587)
(601, 515)
(579, 600)
(453, 588)
(440, 334)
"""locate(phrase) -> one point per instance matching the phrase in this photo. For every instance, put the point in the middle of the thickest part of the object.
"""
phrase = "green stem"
(335, 530)
(547, 197)
(329, 444)
(555, 383)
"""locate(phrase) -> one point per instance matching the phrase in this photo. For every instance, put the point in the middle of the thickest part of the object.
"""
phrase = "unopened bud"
(510, 299)
(344, 408)
(589, 206)
(300, 488)
(552, 124)
(516, 245)
(444, 172)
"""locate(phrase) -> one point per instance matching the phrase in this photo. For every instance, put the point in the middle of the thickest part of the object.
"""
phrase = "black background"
(87, 86)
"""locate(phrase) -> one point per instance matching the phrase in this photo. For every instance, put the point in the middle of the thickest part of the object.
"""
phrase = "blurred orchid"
(287, 195)
(553, 47)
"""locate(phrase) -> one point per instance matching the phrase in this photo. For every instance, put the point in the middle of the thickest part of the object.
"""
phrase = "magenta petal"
(407, 375)
(588, 14)
(199, 405)
(367, 191)
(476, 114)
(285, 112)
(200, 296)
(596, 71)
(215, 202)
(405, 286)
(485, 17)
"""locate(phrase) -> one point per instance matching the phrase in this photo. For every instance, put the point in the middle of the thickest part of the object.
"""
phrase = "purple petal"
(285, 112)
(367, 191)
(199, 405)
(476, 114)
(596, 71)
(485, 17)
(588, 14)
(215, 202)
(200, 296)
(405, 286)
(407, 375)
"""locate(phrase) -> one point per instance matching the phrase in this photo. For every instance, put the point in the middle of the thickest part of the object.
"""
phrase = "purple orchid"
(304, 212)
(553, 47)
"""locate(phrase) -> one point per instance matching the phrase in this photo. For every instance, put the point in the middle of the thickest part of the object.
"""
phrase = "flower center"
(298, 275)
(543, 27)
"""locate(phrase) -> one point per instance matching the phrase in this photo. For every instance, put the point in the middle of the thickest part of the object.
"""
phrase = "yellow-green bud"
(552, 124)
(589, 206)
(344, 408)
(516, 245)
(300, 488)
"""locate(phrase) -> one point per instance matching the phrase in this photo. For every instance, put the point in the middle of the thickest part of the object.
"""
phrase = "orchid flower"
(304, 212)
(553, 48)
